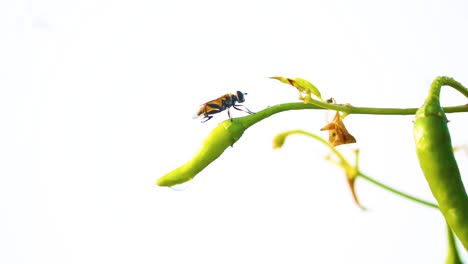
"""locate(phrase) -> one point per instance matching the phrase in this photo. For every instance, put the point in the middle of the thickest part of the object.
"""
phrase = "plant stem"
(397, 192)
(452, 83)
(453, 257)
(344, 163)
(400, 111)
(265, 113)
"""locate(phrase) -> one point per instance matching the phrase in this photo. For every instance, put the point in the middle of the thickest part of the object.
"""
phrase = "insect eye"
(240, 96)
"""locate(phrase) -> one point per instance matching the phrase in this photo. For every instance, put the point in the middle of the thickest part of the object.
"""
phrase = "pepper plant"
(431, 134)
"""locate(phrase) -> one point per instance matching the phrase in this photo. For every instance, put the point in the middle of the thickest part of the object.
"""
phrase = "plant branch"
(349, 169)
(395, 191)
(453, 255)
(252, 119)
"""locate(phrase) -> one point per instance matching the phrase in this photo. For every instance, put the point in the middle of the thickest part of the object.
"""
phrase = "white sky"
(96, 99)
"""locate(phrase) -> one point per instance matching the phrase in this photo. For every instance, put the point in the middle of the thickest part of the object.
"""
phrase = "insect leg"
(245, 109)
(229, 113)
(206, 118)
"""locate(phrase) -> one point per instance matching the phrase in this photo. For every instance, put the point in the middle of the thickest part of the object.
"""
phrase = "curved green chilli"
(220, 138)
(437, 161)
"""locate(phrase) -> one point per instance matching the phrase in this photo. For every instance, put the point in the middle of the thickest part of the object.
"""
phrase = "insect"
(208, 109)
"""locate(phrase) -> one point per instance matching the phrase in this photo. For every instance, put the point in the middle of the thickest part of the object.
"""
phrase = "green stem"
(443, 80)
(318, 138)
(400, 111)
(397, 192)
(344, 162)
(252, 119)
(453, 257)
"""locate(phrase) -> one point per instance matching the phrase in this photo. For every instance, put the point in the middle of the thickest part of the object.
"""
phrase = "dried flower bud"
(338, 134)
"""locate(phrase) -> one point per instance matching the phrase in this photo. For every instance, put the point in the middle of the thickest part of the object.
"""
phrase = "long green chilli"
(222, 136)
(437, 161)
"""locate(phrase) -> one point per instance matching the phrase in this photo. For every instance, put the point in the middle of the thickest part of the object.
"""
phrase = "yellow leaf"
(282, 79)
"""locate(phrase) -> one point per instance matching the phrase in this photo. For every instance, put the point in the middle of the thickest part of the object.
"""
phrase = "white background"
(96, 100)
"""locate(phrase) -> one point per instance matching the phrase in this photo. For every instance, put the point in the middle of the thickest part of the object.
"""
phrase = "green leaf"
(303, 86)
(307, 87)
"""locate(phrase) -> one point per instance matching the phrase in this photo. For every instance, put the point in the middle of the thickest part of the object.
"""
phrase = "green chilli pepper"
(437, 161)
(222, 136)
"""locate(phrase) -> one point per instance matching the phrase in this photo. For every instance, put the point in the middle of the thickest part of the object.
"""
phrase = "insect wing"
(209, 108)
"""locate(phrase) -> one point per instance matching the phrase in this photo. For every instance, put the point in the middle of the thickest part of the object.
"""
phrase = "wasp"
(220, 104)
